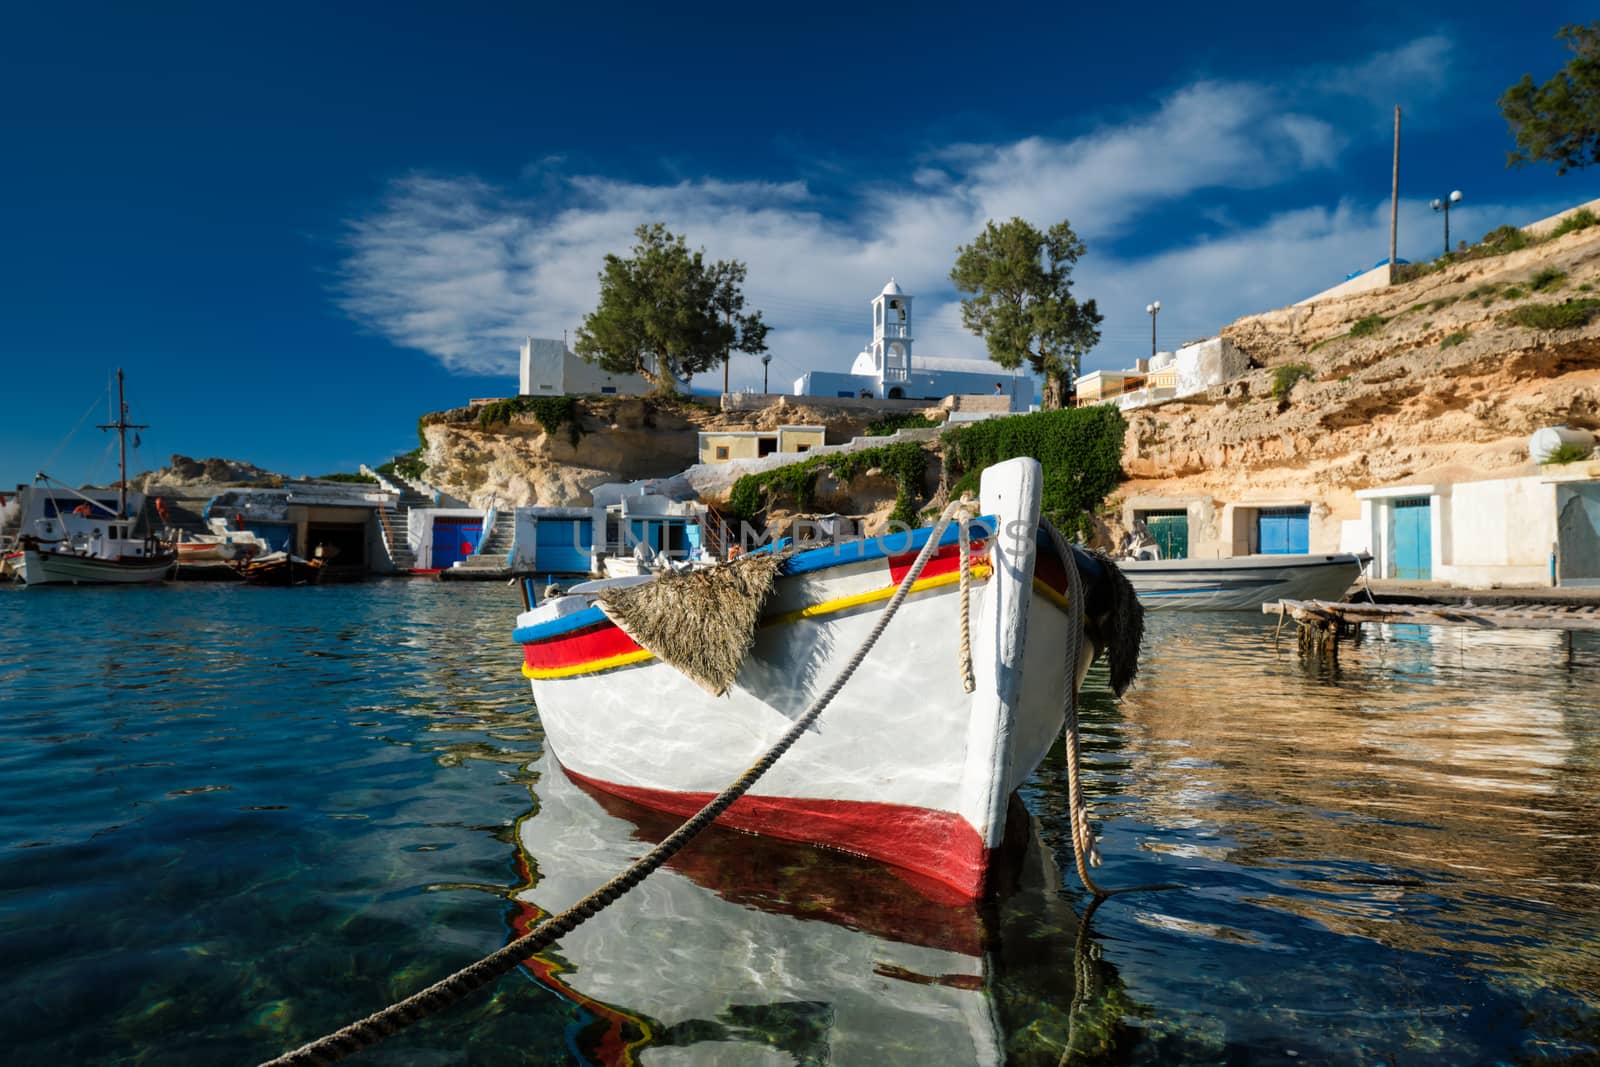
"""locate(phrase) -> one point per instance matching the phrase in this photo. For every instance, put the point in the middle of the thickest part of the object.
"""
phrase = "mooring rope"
(1084, 851)
(968, 682)
(375, 1027)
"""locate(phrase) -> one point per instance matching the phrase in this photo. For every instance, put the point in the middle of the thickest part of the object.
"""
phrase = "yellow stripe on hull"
(592, 667)
(812, 611)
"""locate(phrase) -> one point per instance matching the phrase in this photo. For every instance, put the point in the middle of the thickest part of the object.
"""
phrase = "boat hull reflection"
(745, 949)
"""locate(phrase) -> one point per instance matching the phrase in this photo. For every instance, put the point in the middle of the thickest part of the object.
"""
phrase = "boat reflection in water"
(749, 950)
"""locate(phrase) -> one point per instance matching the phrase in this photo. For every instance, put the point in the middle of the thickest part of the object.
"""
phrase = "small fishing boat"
(222, 545)
(92, 543)
(280, 568)
(907, 767)
(1241, 583)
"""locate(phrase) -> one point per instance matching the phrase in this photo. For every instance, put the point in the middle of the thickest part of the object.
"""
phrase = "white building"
(888, 370)
(549, 368)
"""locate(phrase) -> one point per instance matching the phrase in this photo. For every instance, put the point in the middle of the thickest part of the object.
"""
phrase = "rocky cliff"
(619, 439)
(1432, 380)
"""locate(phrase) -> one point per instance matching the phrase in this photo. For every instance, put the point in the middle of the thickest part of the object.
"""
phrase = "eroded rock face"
(183, 472)
(625, 439)
(1443, 390)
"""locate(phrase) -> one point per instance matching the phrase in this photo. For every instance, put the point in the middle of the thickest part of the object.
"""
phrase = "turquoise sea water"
(232, 819)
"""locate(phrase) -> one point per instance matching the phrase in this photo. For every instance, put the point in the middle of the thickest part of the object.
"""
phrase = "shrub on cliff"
(551, 412)
(1565, 316)
(887, 425)
(1285, 377)
(1079, 448)
(905, 462)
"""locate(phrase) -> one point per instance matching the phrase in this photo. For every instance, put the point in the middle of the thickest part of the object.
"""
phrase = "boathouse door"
(1170, 529)
(563, 545)
(1578, 532)
(1283, 531)
(1413, 539)
(455, 539)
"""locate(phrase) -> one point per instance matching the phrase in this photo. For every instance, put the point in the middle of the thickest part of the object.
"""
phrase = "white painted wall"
(1207, 363)
(1499, 531)
(1376, 278)
(549, 369)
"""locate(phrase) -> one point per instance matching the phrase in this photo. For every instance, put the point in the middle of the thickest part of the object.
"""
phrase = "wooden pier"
(1322, 622)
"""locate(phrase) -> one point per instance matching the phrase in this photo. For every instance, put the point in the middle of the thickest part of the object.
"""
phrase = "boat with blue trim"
(906, 767)
(1241, 583)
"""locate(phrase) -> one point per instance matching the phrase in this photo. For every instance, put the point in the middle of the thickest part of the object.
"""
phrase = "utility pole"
(1394, 198)
(726, 352)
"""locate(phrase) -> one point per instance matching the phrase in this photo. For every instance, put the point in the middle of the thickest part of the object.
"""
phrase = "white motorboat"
(1240, 583)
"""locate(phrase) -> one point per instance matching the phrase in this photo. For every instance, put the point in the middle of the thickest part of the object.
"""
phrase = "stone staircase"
(491, 558)
(392, 518)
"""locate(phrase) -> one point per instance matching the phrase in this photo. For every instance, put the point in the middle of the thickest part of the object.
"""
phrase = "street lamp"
(1444, 206)
(766, 361)
(1152, 308)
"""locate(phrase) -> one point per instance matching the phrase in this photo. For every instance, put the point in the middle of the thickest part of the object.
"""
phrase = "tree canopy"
(1559, 122)
(666, 313)
(1022, 303)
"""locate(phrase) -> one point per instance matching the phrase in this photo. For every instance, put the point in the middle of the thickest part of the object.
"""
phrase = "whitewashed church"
(888, 370)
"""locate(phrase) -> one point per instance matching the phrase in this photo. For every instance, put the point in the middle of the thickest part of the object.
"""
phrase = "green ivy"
(886, 425)
(552, 413)
(905, 462)
(409, 465)
(1079, 448)
(348, 478)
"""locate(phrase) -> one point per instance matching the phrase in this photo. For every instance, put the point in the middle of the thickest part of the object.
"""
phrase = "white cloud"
(462, 269)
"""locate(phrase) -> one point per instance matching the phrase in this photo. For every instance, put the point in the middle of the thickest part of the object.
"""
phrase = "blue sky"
(299, 229)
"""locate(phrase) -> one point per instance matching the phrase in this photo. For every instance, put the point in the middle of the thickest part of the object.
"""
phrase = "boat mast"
(122, 426)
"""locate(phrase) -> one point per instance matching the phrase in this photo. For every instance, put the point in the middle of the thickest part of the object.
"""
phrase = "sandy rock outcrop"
(1436, 385)
(184, 473)
(622, 439)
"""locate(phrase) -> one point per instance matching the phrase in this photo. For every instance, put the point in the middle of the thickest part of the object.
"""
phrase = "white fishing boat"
(754, 951)
(91, 543)
(1240, 583)
(905, 767)
(221, 544)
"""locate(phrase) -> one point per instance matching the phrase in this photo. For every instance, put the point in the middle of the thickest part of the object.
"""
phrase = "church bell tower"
(891, 333)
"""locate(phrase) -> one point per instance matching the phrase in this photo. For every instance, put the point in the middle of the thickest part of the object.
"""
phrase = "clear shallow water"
(232, 819)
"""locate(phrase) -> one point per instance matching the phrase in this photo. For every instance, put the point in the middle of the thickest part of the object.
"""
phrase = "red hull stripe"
(584, 646)
(605, 645)
(938, 845)
(946, 561)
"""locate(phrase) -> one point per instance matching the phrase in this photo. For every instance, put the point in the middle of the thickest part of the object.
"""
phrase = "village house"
(724, 446)
(550, 368)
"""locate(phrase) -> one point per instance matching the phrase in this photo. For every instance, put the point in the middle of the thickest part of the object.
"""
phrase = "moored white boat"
(905, 767)
(63, 566)
(92, 543)
(1240, 583)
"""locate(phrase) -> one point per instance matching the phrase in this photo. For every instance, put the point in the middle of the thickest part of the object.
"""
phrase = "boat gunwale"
(810, 561)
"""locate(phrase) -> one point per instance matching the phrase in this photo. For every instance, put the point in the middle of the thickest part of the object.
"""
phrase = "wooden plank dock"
(1322, 622)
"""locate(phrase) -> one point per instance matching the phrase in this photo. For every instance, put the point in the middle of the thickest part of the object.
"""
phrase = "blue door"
(455, 539)
(1413, 539)
(561, 546)
(1283, 531)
